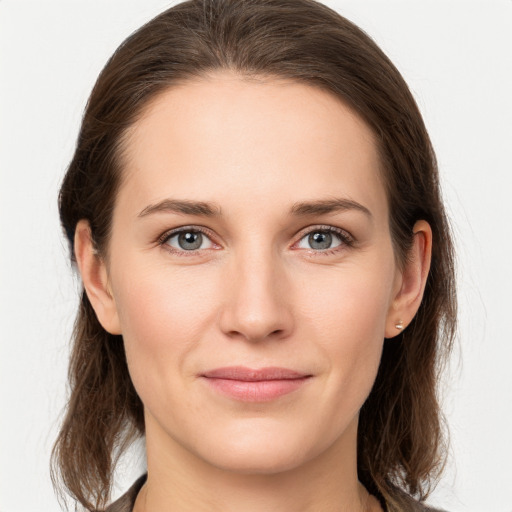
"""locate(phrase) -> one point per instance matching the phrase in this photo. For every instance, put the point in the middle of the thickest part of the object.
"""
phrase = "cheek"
(351, 303)
(346, 315)
(163, 317)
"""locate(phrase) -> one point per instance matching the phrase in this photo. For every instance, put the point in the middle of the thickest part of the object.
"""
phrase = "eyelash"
(346, 239)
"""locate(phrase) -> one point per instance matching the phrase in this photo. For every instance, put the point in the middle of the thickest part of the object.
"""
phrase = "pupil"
(190, 241)
(320, 240)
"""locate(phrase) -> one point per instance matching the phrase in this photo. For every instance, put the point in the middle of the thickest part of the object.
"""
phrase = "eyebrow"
(300, 209)
(325, 206)
(186, 207)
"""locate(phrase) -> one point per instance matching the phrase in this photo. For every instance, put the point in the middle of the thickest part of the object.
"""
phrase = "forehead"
(227, 139)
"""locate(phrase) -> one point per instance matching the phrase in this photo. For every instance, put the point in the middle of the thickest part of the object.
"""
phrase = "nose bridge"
(256, 306)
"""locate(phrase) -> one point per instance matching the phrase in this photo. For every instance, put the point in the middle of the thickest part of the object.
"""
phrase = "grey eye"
(189, 241)
(320, 239)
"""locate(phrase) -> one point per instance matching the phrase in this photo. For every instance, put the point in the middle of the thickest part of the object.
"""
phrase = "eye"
(325, 238)
(186, 240)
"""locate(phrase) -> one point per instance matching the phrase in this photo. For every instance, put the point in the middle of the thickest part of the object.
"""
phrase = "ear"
(411, 281)
(94, 274)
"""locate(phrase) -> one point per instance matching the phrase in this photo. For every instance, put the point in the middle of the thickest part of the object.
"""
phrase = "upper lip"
(243, 373)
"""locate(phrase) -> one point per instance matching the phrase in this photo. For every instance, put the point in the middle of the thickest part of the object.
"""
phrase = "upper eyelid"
(176, 231)
(322, 227)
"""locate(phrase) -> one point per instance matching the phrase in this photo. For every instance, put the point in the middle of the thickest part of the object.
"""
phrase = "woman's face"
(251, 233)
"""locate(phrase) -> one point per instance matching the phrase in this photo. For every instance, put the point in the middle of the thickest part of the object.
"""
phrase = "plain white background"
(456, 57)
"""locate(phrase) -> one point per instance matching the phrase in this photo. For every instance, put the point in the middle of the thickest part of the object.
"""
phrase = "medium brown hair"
(400, 436)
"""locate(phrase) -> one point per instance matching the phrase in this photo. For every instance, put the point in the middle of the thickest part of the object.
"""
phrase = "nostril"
(254, 335)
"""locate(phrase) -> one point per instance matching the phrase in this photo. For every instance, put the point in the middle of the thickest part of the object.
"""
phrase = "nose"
(257, 301)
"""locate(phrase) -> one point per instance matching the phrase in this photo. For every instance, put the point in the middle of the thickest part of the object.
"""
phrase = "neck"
(179, 480)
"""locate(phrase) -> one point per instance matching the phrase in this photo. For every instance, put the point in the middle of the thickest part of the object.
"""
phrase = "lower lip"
(255, 391)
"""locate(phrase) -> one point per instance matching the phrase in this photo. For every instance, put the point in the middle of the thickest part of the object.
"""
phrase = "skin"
(256, 293)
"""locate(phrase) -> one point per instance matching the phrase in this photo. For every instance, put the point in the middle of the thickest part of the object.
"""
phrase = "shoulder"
(127, 501)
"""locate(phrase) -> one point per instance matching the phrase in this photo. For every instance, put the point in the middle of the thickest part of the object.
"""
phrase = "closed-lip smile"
(254, 385)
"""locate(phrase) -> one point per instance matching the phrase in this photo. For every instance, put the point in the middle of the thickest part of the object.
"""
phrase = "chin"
(258, 449)
(255, 462)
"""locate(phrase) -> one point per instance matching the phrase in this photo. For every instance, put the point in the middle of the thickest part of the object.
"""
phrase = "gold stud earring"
(399, 325)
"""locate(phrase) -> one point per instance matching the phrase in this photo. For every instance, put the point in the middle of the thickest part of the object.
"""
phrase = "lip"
(254, 385)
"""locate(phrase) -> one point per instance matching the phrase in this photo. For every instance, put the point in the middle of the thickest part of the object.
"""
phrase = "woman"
(254, 209)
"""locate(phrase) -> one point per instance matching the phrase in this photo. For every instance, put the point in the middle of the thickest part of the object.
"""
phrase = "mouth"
(254, 385)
